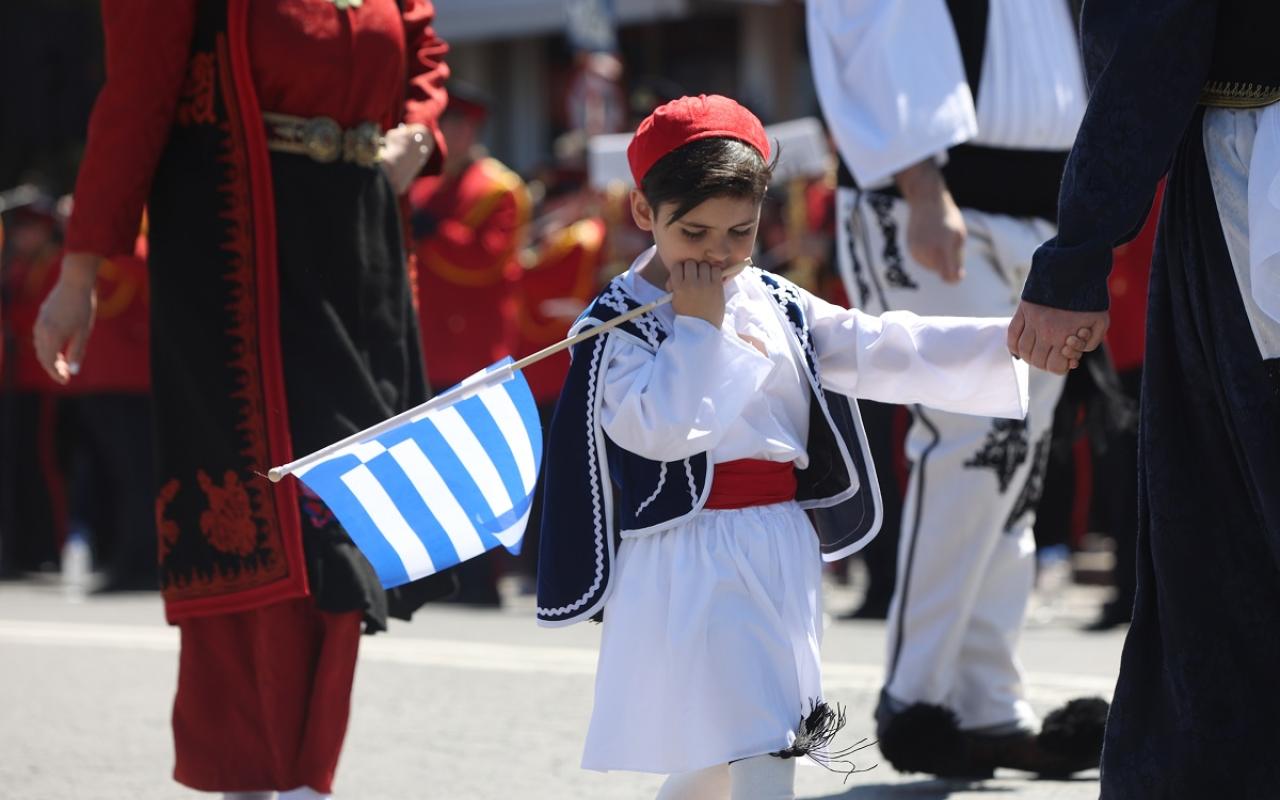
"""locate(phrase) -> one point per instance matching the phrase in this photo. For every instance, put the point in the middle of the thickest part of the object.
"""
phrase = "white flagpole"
(473, 385)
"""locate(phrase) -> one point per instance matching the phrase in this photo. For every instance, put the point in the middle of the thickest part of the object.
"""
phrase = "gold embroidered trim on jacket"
(1234, 94)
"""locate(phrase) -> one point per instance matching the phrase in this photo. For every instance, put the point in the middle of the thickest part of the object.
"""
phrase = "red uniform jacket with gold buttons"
(468, 231)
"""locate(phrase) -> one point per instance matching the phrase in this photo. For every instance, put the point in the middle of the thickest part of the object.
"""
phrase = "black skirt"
(351, 351)
(1196, 706)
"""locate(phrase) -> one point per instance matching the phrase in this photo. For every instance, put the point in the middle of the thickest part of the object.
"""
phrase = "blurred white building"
(517, 50)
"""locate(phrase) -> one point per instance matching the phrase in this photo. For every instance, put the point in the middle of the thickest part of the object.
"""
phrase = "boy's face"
(721, 231)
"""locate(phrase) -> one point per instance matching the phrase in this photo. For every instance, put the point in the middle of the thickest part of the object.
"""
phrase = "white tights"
(758, 778)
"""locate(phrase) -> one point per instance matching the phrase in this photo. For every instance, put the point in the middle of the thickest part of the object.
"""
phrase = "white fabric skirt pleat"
(711, 641)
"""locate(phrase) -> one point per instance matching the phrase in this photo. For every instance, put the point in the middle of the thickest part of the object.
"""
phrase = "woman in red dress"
(269, 141)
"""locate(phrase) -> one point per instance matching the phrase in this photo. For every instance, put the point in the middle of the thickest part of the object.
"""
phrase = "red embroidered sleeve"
(147, 47)
(427, 72)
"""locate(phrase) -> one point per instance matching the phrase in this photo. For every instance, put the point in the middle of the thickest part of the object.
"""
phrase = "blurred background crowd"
(509, 243)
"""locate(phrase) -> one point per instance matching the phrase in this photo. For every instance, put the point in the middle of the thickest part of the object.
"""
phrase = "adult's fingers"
(1027, 343)
(1016, 326)
(1043, 353)
(953, 266)
(48, 343)
(928, 256)
(75, 351)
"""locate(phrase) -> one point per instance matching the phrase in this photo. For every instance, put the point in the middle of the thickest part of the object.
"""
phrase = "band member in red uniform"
(562, 280)
(469, 225)
(104, 484)
(269, 141)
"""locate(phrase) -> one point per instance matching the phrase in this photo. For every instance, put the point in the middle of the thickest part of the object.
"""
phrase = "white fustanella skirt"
(711, 641)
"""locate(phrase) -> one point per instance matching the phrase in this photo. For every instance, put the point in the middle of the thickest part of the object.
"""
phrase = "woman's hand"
(698, 290)
(62, 328)
(405, 151)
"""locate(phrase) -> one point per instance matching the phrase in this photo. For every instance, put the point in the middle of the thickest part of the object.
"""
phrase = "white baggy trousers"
(966, 559)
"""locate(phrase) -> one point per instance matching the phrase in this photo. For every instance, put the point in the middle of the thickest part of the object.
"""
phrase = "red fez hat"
(689, 119)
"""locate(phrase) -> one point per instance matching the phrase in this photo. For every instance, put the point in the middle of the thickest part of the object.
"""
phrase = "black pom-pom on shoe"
(927, 738)
(1076, 730)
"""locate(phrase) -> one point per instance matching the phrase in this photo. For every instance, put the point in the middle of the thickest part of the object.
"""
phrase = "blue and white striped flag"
(444, 486)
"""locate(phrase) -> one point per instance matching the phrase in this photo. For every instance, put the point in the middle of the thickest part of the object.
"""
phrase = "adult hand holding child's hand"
(698, 290)
(1054, 339)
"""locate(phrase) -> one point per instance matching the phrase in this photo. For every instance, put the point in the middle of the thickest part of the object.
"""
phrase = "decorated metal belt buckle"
(363, 144)
(322, 137)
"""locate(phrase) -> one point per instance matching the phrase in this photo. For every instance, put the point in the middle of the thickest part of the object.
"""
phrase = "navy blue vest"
(595, 489)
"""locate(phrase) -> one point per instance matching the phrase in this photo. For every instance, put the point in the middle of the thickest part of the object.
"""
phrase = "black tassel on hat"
(814, 736)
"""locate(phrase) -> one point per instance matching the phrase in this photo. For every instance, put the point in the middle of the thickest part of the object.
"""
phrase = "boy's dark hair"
(706, 168)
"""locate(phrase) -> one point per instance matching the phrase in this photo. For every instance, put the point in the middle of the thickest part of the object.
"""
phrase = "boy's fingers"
(1057, 364)
(1096, 334)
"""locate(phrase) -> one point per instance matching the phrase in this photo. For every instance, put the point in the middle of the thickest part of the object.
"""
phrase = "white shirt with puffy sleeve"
(892, 85)
(709, 389)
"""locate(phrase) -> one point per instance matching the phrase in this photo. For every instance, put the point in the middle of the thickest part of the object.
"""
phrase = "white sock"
(247, 795)
(304, 793)
(711, 783)
(763, 778)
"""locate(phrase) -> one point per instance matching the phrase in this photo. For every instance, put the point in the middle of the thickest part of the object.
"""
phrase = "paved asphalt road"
(459, 704)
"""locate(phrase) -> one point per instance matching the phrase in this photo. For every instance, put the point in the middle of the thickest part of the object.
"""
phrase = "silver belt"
(323, 139)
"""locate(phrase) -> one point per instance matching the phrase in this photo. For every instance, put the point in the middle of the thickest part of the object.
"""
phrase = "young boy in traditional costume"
(705, 458)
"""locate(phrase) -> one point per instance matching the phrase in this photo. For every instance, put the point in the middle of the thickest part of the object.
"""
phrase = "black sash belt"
(1018, 183)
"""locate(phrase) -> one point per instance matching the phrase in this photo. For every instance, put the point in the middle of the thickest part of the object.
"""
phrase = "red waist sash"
(751, 482)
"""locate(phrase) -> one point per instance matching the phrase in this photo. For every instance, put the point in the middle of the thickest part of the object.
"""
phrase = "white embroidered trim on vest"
(650, 327)
(693, 486)
(613, 298)
(787, 292)
(662, 480)
(594, 477)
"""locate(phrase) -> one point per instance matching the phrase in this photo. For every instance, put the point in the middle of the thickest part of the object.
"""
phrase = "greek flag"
(447, 484)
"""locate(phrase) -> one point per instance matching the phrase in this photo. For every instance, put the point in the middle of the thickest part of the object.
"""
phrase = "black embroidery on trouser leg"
(1004, 450)
(851, 246)
(882, 205)
(1032, 490)
(814, 734)
(863, 230)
